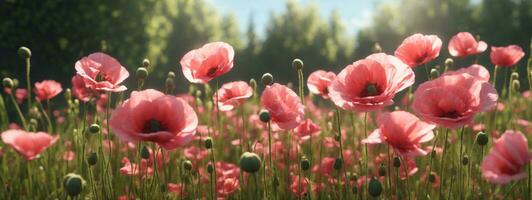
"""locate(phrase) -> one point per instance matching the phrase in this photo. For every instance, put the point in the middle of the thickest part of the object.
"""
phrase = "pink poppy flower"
(419, 49)
(507, 158)
(453, 100)
(286, 110)
(150, 115)
(506, 56)
(371, 83)
(176, 188)
(232, 94)
(21, 95)
(475, 70)
(28, 144)
(403, 131)
(307, 129)
(208, 62)
(299, 186)
(464, 44)
(101, 72)
(319, 81)
(80, 90)
(47, 89)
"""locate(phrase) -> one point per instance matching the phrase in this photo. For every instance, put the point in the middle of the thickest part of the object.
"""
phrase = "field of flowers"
(370, 131)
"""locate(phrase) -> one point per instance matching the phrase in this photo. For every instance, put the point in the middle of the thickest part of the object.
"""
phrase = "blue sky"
(355, 14)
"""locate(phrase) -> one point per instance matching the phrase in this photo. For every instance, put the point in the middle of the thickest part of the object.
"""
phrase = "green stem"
(21, 116)
(442, 164)
(28, 82)
(460, 175)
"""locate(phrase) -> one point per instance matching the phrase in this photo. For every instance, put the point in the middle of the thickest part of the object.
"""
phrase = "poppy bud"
(33, 122)
(267, 79)
(374, 187)
(73, 184)
(142, 73)
(432, 177)
(382, 170)
(305, 164)
(396, 162)
(514, 76)
(169, 83)
(145, 153)
(7, 83)
(337, 137)
(465, 160)
(253, 83)
(338, 163)
(187, 165)
(171, 75)
(377, 48)
(449, 62)
(250, 162)
(210, 168)
(15, 83)
(434, 73)
(94, 128)
(93, 158)
(208, 143)
(297, 64)
(482, 138)
(68, 94)
(264, 116)
(24, 52)
(516, 85)
(146, 63)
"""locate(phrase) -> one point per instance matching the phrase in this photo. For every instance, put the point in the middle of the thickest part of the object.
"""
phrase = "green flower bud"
(297, 64)
(516, 85)
(145, 153)
(264, 116)
(338, 163)
(187, 165)
(68, 94)
(24, 52)
(142, 73)
(514, 76)
(449, 62)
(94, 128)
(146, 63)
(434, 73)
(482, 138)
(210, 168)
(305, 164)
(374, 187)
(382, 170)
(396, 162)
(93, 158)
(16, 82)
(33, 122)
(171, 75)
(267, 79)
(73, 184)
(169, 83)
(8, 83)
(250, 162)
(208, 143)
(465, 160)
(377, 48)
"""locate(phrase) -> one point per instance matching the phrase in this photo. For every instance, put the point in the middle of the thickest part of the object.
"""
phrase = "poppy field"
(372, 130)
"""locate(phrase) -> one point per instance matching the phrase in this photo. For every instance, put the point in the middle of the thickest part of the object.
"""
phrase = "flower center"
(212, 71)
(152, 126)
(371, 90)
(453, 114)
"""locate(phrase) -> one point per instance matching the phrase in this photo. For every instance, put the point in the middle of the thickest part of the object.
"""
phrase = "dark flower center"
(152, 126)
(371, 89)
(212, 71)
(421, 58)
(451, 114)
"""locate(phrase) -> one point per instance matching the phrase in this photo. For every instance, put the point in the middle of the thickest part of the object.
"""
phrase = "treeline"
(59, 32)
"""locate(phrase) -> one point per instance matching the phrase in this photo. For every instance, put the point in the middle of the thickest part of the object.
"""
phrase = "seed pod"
(253, 83)
(377, 48)
(94, 128)
(267, 79)
(250, 162)
(482, 138)
(396, 162)
(449, 62)
(465, 160)
(93, 158)
(297, 64)
(432, 177)
(142, 73)
(7, 83)
(305, 164)
(73, 184)
(208, 143)
(210, 168)
(145, 153)
(374, 187)
(24, 52)
(338, 163)
(382, 170)
(171, 75)
(146, 63)
(434, 73)
(68, 94)
(187, 165)
(264, 116)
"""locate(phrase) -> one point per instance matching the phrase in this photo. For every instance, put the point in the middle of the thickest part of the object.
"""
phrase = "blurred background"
(266, 34)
